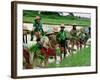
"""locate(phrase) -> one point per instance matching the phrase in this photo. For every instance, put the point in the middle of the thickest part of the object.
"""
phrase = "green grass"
(54, 18)
(81, 58)
(58, 21)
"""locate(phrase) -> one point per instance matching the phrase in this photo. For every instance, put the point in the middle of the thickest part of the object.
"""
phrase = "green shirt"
(61, 36)
(38, 27)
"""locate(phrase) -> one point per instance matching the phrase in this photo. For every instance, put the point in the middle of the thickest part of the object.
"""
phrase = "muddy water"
(48, 28)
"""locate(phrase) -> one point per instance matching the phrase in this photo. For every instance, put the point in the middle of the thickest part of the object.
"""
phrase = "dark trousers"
(63, 44)
(32, 34)
(24, 38)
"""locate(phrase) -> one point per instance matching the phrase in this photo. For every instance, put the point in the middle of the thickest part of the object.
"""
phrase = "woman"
(73, 33)
(37, 27)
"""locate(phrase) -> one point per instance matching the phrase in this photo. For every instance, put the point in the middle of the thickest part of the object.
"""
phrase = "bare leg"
(55, 58)
(61, 58)
(46, 61)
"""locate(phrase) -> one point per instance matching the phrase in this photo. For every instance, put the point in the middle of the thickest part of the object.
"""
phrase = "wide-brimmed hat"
(62, 26)
(74, 24)
(49, 33)
(37, 18)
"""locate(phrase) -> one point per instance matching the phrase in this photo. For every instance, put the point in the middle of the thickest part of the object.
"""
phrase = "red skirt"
(48, 52)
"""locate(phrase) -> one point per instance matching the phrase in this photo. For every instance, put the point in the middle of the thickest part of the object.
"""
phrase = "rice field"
(77, 59)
